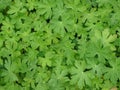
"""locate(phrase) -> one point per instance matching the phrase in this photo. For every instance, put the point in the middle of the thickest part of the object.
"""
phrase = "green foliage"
(59, 44)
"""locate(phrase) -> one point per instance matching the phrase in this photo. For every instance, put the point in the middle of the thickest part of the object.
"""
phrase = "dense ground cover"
(59, 44)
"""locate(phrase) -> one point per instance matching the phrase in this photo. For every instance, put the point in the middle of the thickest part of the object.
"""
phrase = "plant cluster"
(59, 44)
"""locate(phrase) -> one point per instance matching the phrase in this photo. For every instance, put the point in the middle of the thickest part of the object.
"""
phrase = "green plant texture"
(59, 44)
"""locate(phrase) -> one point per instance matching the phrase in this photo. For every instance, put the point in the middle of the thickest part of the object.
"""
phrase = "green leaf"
(8, 74)
(15, 7)
(7, 25)
(59, 44)
(45, 8)
(61, 24)
(113, 72)
(105, 38)
(97, 68)
(31, 4)
(79, 76)
(4, 4)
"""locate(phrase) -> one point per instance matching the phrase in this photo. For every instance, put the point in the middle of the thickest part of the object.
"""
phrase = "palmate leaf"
(31, 4)
(61, 25)
(96, 50)
(79, 76)
(8, 74)
(24, 26)
(10, 45)
(107, 38)
(104, 37)
(15, 7)
(58, 79)
(97, 68)
(74, 8)
(59, 10)
(58, 27)
(7, 25)
(113, 73)
(45, 8)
